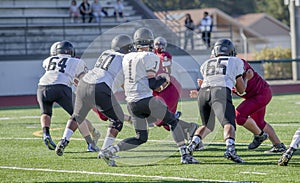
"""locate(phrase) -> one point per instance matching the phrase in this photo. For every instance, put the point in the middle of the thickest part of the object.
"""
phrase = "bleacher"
(30, 27)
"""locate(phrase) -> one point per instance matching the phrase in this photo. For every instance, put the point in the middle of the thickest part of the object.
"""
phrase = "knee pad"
(116, 124)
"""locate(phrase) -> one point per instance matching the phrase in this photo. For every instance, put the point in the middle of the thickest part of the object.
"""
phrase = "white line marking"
(256, 173)
(114, 174)
(21, 117)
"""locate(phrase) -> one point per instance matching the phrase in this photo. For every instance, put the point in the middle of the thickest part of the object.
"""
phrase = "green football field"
(25, 158)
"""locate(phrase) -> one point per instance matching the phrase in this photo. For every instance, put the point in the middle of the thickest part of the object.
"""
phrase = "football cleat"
(48, 142)
(62, 144)
(277, 148)
(286, 157)
(108, 157)
(230, 154)
(258, 139)
(188, 159)
(92, 148)
(95, 135)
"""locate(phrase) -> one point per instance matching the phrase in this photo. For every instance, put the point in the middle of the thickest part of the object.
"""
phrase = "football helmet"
(53, 49)
(160, 44)
(143, 37)
(122, 43)
(65, 47)
(223, 47)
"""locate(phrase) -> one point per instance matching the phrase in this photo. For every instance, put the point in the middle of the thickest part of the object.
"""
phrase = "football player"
(169, 93)
(62, 71)
(220, 74)
(140, 73)
(95, 90)
(250, 113)
(287, 155)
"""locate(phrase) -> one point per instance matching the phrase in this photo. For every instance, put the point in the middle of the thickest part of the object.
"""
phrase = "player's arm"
(81, 71)
(241, 82)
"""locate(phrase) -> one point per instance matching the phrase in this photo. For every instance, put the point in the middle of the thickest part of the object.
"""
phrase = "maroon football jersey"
(256, 84)
(165, 59)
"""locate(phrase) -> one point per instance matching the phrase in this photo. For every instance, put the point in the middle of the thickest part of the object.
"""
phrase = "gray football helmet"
(143, 37)
(122, 43)
(53, 49)
(65, 47)
(223, 47)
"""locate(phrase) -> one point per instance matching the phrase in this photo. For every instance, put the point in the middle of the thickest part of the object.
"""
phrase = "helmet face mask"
(160, 44)
(223, 47)
(143, 37)
(65, 47)
(122, 43)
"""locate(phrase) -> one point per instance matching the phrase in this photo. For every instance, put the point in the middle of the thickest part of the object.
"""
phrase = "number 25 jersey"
(221, 71)
(62, 69)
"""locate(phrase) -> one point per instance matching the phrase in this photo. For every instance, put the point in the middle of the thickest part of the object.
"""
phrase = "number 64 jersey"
(221, 71)
(62, 69)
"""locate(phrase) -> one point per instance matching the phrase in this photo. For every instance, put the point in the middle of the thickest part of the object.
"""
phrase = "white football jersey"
(135, 68)
(221, 71)
(108, 69)
(62, 69)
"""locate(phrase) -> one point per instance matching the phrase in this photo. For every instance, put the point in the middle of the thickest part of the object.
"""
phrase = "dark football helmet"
(143, 37)
(223, 47)
(53, 49)
(65, 47)
(122, 43)
(160, 44)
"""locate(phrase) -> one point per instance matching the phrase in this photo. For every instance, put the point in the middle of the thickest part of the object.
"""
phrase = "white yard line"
(114, 174)
(255, 173)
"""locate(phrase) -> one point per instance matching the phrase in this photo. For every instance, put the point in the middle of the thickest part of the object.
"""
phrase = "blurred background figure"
(188, 34)
(86, 10)
(205, 28)
(118, 10)
(74, 12)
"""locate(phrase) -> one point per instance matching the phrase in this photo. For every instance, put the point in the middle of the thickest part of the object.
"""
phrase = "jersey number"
(61, 64)
(104, 61)
(215, 67)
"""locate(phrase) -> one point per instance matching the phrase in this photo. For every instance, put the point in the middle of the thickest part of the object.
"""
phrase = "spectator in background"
(188, 34)
(74, 11)
(205, 28)
(118, 10)
(97, 10)
(86, 10)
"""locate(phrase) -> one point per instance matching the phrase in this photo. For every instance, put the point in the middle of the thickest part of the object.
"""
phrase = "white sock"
(183, 150)
(229, 142)
(108, 141)
(67, 134)
(296, 139)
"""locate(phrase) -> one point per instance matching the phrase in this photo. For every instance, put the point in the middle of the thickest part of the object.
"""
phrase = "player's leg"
(262, 101)
(160, 111)
(46, 113)
(244, 117)
(139, 111)
(286, 157)
(207, 118)
(83, 103)
(223, 108)
(108, 105)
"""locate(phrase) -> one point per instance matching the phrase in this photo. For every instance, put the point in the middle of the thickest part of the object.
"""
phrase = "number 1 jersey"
(62, 69)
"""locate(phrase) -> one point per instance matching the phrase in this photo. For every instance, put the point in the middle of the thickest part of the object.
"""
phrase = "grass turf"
(24, 157)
